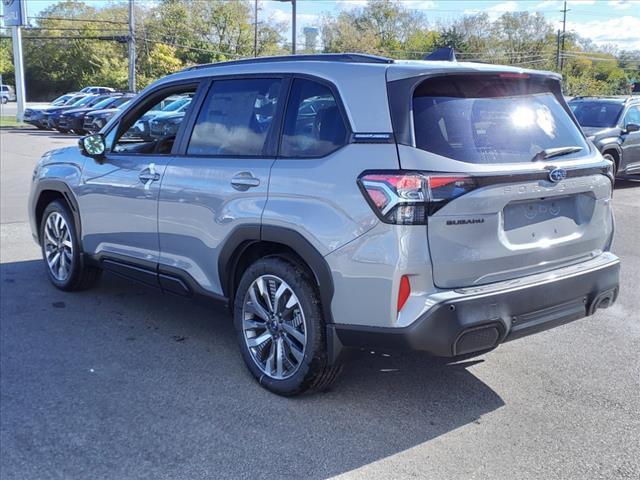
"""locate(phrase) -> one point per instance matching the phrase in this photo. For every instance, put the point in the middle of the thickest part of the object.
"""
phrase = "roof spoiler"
(442, 54)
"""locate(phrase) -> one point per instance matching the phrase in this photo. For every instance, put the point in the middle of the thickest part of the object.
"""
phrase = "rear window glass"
(236, 118)
(313, 126)
(596, 114)
(490, 119)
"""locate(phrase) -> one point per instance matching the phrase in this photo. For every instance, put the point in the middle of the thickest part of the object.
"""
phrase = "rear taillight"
(409, 198)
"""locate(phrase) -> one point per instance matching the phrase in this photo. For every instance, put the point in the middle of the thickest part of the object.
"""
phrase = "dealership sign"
(14, 13)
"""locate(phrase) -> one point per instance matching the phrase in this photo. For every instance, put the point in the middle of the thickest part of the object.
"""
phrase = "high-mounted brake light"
(513, 75)
(409, 198)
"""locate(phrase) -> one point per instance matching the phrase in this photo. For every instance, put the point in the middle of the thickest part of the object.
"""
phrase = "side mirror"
(632, 127)
(93, 146)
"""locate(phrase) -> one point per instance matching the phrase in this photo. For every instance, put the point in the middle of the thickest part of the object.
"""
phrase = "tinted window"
(104, 103)
(490, 119)
(236, 118)
(596, 114)
(313, 125)
(151, 130)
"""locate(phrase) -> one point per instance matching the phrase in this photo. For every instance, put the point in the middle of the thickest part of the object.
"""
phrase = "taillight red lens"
(408, 198)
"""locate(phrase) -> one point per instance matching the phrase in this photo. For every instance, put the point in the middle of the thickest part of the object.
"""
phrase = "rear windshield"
(491, 119)
(596, 114)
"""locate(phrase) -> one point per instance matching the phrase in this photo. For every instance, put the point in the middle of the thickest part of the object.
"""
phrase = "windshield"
(83, 101)
(490, 119)
(61, 100)
(104, 103)
(176, 105)
(596, 114)
(121, 107)
(73, 100)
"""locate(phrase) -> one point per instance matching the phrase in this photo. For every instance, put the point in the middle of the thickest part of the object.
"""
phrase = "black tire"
(5, 100)
(314, 372)
(611, 158)
(81, 276)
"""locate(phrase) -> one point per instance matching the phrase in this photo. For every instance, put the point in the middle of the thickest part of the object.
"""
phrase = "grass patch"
(11, 122)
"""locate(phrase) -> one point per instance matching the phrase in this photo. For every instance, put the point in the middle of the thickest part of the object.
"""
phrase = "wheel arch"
(614, 150)
(248, 243)
(48, 191)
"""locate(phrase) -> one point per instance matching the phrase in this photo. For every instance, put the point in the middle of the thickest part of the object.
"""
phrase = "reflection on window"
(155, 130)
(236, 118)
(313, 124)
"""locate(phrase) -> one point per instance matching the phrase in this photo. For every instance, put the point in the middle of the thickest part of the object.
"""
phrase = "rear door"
(220, 180)
(631, 141)
(513, 185)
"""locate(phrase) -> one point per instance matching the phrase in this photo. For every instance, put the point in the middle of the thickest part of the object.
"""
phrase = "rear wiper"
(554, 152)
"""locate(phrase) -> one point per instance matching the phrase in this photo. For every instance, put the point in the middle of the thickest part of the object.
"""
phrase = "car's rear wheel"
(61, 250)
(280, 327)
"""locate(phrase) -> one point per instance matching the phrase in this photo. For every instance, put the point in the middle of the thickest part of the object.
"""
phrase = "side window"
(154, 129)
(632, 116)
(313, 126)
(236, 118)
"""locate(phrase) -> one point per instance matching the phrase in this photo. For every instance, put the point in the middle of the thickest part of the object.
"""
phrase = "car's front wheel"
(611, 158)
(61, 250)
(280, 327)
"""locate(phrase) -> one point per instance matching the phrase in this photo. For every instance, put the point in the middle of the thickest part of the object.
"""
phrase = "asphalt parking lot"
(123, 382)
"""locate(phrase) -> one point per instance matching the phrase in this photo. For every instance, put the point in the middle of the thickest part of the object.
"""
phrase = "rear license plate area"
(551, 218)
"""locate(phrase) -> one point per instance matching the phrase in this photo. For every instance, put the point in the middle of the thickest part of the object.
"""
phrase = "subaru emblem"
(557, 175)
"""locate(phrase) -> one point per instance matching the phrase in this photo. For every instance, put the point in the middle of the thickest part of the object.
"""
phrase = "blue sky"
(604, 21)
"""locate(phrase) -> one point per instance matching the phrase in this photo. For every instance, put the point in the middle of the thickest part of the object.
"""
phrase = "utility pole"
(15, 16)
(132, 47)
(293, 27)
(293, 24)
(558, 51)
(564, 29)
(18, 65)
(255, 29)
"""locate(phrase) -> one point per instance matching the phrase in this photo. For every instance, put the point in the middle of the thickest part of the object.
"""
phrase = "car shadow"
(627, 181)
(155, 385)
(40, 133)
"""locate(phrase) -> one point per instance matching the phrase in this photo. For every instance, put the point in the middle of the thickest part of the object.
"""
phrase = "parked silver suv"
(340, 202)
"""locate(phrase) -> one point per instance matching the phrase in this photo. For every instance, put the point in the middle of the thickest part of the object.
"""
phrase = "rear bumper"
(478, 319)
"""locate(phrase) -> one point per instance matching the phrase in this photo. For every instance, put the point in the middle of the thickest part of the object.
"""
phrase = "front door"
(631, 142)
(118, 197)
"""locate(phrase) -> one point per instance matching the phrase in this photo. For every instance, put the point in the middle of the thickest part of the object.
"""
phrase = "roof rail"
(625, 98)
(320, 57)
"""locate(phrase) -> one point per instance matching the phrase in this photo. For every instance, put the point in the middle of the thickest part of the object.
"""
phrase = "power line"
(116, 38)
(117, 22)
(186, 47)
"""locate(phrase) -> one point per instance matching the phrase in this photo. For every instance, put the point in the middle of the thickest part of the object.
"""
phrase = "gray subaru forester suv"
(342, 202)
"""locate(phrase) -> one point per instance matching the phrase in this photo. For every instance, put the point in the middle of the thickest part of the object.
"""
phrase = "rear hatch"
(518, 189)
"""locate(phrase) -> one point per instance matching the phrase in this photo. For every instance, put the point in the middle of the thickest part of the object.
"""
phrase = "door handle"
(149, 175)
(244, 181)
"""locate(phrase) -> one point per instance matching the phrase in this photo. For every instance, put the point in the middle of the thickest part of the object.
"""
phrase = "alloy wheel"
(274, 327)
(58, 247)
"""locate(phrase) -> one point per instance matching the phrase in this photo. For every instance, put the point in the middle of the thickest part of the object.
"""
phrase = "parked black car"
(73, 120)
(95, 120)
(613, 125)
(38, 116)
(53, 117)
